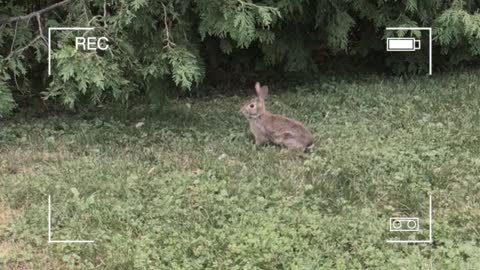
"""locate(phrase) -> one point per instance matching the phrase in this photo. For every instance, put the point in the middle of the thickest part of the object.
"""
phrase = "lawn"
(189, 190)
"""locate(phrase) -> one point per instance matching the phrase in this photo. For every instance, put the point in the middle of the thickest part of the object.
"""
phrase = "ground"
(188, 189)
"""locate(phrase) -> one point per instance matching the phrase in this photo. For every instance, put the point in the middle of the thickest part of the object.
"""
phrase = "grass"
(189, 190)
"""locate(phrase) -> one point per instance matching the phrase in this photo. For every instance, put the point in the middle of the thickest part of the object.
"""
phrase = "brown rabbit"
(277, 129)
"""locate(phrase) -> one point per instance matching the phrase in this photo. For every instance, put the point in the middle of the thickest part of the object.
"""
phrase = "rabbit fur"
(272, 128)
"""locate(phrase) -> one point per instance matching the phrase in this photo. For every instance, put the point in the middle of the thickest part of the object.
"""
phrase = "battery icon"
(403, 44)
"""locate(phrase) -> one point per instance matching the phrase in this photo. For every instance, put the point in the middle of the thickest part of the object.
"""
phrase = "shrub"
(175, 41)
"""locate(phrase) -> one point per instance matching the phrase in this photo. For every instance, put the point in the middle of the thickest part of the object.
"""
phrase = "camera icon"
(404, 224)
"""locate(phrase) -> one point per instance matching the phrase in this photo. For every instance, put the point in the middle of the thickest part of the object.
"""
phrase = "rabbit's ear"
(261, 91)
(264, 91)
(258, 88)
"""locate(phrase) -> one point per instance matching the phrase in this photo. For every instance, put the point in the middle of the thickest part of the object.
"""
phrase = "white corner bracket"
(50, 228)
(404, 44)
(50, 29)
(430, 228)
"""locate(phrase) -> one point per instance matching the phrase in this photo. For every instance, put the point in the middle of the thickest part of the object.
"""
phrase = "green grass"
(189, 190)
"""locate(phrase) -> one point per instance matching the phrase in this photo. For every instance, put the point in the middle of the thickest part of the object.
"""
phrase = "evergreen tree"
(158, 43)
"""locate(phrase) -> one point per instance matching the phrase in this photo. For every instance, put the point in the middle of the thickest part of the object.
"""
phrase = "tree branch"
(40, 30)
(14, 37)
(169, 43)
(36, 13)
(23, 48)
(104, 13)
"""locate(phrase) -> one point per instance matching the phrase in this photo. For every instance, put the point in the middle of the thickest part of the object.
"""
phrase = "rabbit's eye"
(252, 105)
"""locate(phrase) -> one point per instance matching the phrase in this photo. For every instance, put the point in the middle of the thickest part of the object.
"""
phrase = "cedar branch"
(169, 43)
(36, 13)
(23, 48)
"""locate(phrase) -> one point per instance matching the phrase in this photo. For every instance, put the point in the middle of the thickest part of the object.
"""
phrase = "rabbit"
(272, 128)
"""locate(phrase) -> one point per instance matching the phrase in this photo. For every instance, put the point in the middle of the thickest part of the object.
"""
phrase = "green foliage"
(86, 74)
(237, 20)
(168, 40)
(189, 190)
(459, 29)
(338, 29)
(7, 104)
(184, 67)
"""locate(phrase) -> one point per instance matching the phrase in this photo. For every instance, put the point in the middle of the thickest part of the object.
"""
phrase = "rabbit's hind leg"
(292, 143)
